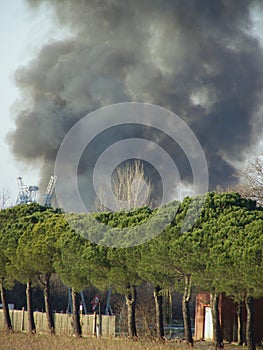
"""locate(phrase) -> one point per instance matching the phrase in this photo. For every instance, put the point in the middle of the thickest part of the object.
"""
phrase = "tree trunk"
(168, 307)
(185, 310)
(7, 319)
(250, 324)
(240, 339)
(75, 314)
(218, 337)
(46, 289)
(158, 299)
(131, 296)
(30, 315)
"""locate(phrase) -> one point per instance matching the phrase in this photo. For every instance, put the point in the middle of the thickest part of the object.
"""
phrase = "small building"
(228, 318)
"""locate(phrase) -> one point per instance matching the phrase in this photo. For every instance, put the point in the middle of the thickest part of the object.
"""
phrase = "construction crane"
(108, 309)
(69, 307)
(26, 193)
(50, 191)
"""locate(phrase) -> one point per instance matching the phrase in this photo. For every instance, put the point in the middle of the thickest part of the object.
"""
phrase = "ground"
(22, 341)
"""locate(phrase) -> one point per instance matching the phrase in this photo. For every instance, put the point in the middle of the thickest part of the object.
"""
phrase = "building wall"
(228, 317)
(258, 306)
(202, 299)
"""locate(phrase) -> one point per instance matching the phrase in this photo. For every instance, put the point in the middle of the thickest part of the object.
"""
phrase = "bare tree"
(251, 181)
(131, 186)
(130, 189)
(4, 198)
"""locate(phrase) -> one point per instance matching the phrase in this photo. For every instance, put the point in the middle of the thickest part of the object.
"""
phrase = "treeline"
(218, 250)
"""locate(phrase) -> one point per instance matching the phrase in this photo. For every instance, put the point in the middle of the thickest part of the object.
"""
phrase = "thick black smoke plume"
(197, 58)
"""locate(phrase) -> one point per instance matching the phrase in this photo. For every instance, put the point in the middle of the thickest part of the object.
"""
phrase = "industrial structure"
(26, 193)
(50, 191)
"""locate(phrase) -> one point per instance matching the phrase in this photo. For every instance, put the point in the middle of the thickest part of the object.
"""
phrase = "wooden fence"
(63, 323)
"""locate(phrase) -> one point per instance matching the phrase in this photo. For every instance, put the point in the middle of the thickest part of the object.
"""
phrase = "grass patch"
(22, 341)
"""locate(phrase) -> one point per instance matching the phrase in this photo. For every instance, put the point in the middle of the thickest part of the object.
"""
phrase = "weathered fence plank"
(63, 323)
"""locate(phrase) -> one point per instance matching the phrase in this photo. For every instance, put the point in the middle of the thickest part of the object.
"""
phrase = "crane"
(26, 193)
(69, 307)
(50, 191)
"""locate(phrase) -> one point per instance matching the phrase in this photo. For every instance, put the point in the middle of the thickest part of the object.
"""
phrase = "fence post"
(95, 323)
(23, 319)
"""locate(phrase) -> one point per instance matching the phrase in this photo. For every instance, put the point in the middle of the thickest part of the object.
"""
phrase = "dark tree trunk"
(75, 314)
(30, 315)
(7, 319)
(185, 310)
(168, 307)
(158, 299)
(240, 339)
(46, 289)
(250, 324)
(131, 297)
(218, 337)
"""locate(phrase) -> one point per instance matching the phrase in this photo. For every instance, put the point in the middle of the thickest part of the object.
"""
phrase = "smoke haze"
(197, 58)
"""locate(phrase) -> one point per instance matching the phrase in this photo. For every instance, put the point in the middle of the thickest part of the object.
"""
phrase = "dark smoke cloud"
(194, 57)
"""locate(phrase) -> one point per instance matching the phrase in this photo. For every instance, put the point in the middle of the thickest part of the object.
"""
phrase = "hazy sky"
(22, 32)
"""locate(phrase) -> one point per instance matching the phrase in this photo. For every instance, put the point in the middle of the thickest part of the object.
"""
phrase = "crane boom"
(50, 191)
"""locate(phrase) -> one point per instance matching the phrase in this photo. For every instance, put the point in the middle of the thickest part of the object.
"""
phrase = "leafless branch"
(4, 198)
(130, 186)
(251, 181)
